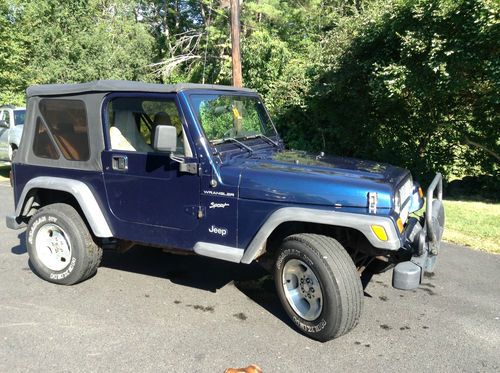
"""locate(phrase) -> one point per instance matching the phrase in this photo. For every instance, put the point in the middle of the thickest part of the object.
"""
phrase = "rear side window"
(43, 146)
(67, 122)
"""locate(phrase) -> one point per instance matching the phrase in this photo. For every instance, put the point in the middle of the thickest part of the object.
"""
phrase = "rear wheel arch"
(44, 191)
(37, 198)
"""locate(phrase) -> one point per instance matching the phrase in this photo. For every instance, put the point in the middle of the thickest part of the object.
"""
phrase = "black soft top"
(93, 94)
(121, 86)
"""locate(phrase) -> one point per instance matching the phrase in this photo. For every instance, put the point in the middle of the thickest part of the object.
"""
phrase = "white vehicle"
(11, 129)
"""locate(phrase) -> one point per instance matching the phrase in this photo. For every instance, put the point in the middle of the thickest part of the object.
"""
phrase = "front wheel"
(60, 246)
(318, 286)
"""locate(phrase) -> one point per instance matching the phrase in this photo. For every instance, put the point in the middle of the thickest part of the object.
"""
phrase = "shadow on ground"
(198, 272)
(194, 271)
(4, 171)
(20, 249)
(201, 273)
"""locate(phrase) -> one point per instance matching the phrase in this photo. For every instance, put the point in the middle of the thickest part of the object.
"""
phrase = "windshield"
(231, 117)
(19, 117)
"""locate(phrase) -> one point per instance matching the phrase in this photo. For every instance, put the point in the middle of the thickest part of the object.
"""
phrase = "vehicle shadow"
(201, 273)
(21, 248)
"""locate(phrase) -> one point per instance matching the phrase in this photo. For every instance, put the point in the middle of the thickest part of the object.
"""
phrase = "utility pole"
(235, 43)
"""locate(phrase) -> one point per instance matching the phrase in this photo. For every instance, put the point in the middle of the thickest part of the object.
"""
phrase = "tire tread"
(92, 252)
(342, 270)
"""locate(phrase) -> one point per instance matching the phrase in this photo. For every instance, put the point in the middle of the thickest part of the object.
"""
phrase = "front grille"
(405, 193)
(406, 190)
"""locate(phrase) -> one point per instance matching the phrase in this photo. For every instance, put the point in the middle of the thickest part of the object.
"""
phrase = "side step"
(231, 254)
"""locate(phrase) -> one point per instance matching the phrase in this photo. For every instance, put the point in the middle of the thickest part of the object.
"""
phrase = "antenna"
(206, 41)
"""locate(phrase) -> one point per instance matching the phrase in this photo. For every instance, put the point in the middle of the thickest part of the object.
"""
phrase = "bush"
(410, 83)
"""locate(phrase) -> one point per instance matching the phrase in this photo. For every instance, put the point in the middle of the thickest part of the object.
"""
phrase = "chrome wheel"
(302, 289)
(53, 247)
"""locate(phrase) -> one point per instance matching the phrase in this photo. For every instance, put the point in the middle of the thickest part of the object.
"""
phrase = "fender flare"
(77, 189)
(359, 222)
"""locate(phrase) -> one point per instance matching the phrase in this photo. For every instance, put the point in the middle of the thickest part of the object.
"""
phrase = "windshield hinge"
(187, 167)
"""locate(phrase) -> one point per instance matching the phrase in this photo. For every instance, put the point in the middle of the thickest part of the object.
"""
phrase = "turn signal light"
(379, 232)
(420, 192)
(400, 225)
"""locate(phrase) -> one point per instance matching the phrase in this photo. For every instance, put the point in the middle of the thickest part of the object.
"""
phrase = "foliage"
(76, 41)
(410, 82)
(413, 83)
(12, 56)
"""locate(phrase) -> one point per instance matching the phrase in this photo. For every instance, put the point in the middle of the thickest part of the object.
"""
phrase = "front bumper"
(423, 240)
(12, 223)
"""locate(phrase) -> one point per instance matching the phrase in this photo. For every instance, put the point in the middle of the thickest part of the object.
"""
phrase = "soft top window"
(43, 146)
(67, 122)
(132, 122)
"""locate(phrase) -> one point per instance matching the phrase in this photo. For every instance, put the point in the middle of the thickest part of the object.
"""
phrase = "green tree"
(413, 83)
(50, 41)
(13, 56)
(192, 39)
(75, 41)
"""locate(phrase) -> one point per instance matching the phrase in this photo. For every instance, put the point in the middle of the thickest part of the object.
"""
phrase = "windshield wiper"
(263, 137)
(238, 142)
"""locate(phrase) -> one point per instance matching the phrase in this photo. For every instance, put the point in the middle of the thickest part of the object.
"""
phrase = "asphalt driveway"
(146, 310)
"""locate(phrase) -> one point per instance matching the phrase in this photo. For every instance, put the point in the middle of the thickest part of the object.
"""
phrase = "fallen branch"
(166, 67)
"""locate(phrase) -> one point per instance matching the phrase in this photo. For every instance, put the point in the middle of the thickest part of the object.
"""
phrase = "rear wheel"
(60, 246)
(318, 285)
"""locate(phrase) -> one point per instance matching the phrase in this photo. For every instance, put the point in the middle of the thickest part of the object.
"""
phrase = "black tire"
(83, 256)
(339, 281)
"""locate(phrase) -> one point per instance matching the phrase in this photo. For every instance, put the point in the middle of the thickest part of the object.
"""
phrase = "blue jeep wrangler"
(201, 168)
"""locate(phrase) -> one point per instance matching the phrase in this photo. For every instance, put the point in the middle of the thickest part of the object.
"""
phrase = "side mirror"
(4, 124)
(165, 139)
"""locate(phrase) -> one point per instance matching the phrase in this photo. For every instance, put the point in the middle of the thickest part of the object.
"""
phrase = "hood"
(299, 177)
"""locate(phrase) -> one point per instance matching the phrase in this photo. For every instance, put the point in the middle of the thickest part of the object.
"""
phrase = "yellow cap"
(379, 232)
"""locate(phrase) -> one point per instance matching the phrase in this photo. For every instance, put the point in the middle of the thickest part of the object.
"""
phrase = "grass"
(474, 224)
